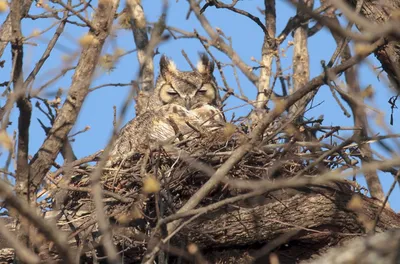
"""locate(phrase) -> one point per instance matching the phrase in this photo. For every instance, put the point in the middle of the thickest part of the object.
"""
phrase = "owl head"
(190, 89)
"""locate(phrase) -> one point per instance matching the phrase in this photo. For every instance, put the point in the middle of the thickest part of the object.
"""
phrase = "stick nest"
(177, 172)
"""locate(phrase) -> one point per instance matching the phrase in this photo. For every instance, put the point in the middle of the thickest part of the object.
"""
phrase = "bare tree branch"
(360, 117)
(139, 29)
(6, 31)
(221, 45)
(301, 62)
(68, 114)
(268, 51)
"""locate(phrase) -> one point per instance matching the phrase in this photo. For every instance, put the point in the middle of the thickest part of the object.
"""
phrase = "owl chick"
(183, 104)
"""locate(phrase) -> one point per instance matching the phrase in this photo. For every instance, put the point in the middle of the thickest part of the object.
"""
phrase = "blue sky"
(246, 38)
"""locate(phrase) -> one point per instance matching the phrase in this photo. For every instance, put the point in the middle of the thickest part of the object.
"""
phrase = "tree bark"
(389, 54)
(381, 248)
(301, 64)
(321, 218)
(5, 30)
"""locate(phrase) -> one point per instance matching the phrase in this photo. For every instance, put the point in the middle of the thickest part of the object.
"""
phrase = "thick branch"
(381, 248)
(317, 217)
(389, 55)
(139, 29)
(301, 62)
(23, 104)
(5, 30)
(25, 112)
(312, 210)
(81, 80)
(267, 54)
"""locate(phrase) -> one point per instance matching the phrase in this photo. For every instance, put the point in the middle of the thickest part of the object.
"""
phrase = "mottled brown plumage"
(183, 104)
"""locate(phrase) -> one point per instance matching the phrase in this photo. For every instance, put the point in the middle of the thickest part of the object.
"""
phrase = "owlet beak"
(188, 102)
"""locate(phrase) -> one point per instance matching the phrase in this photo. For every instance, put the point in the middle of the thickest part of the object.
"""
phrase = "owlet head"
(190, 89)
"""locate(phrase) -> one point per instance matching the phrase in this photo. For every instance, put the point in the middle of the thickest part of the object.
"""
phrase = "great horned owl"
(183, 104)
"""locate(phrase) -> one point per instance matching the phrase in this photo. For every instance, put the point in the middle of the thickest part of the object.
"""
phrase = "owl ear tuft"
(166, 66)
(205, 66)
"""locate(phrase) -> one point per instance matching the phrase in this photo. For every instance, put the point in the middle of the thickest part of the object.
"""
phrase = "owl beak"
(188, 102)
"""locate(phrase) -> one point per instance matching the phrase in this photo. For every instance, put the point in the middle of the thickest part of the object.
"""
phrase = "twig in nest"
(105, 192)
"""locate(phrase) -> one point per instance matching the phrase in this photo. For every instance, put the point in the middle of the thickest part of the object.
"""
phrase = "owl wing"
(138, 135)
